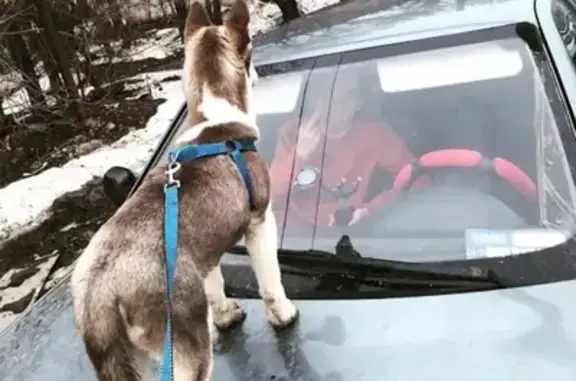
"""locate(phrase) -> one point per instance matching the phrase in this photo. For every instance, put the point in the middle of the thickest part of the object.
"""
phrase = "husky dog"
(118, 284)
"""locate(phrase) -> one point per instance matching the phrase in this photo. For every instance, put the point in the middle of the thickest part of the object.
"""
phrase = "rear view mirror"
(117, 183)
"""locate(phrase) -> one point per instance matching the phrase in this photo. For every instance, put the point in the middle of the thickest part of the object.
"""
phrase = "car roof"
(362, 24)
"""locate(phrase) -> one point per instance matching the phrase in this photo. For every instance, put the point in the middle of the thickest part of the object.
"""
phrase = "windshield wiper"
(345, 267)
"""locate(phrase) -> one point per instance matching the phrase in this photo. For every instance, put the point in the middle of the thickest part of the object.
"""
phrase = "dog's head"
(218, 57)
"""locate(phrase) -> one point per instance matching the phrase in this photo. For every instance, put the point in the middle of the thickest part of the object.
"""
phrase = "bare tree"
(15, 23)
(288, 8)
(80, 48)
(214, 8)
(46, 25)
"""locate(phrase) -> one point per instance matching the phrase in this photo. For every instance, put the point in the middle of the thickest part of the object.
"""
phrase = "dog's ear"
(238, 16)
(197, 18)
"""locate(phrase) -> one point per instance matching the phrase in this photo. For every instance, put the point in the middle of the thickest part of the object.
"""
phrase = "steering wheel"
(465, 158)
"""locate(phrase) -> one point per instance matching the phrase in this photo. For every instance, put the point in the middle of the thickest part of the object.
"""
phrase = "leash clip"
(173, 169)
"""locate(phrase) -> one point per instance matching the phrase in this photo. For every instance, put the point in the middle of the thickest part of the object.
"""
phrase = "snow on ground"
(158, 44)
(24, 204)
(18, 99)
(30, 285)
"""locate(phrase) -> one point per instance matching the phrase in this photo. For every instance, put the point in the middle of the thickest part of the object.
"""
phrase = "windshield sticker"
(449, 66)
(277, 94)
(488, 243)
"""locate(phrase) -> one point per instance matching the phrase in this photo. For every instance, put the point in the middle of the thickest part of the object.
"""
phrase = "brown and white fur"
(118, 283)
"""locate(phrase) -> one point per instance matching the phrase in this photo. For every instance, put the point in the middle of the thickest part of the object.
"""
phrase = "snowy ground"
(25, 204)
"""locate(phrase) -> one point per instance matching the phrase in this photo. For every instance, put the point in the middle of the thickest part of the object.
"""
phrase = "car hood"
(514, 334)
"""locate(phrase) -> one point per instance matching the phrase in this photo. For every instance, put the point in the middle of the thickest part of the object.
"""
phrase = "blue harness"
(190, 152)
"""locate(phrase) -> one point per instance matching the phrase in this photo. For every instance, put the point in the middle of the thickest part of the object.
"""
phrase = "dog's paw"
(281, 313)
(228, 316)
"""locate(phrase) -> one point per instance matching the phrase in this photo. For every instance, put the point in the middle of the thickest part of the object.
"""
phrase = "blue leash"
(187, 153)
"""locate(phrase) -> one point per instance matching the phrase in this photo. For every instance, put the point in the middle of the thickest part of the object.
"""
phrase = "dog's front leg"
(262, 244)
(226, 313)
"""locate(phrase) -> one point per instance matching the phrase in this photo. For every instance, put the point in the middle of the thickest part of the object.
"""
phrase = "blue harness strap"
(187, 153)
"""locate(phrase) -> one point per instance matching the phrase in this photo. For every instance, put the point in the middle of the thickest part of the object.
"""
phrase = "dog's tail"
(107, 343)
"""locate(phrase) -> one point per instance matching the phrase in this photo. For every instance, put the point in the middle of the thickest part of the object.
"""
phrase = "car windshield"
(445, 150)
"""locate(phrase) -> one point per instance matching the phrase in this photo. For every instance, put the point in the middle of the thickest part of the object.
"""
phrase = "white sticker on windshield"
(488, 243)
(277, 94)
(449, 66)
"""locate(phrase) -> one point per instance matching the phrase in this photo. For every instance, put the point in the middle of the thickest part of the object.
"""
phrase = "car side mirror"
(117, 183)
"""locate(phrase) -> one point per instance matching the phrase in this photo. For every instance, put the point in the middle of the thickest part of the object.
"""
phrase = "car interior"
(480, 116)
(490, 118)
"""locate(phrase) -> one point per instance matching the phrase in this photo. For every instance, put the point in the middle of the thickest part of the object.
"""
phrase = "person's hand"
(358, 214)
(309, 136)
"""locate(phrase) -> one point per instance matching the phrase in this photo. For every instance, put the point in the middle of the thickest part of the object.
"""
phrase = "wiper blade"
(347, 263)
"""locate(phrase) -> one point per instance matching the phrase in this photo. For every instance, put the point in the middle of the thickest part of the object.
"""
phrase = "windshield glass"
(447, 151)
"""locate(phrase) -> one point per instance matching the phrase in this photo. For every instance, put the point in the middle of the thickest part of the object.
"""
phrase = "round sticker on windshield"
(307, 177)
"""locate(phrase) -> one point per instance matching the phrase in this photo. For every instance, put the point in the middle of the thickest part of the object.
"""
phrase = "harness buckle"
(173, 169)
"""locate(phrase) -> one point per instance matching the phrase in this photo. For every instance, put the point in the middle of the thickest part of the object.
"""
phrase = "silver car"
(428, 233)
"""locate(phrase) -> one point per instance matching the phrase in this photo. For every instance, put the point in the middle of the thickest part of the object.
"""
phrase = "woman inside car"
(333, 156)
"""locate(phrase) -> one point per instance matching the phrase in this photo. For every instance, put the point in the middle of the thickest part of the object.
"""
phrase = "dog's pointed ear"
(197, 18)
(239, 16)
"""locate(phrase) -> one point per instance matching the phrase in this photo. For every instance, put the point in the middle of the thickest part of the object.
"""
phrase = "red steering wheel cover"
(516, 177)
(451, 158)
(467, 158)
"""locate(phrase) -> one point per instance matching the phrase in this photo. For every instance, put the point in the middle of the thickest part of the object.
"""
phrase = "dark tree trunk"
(45, 23)
(82, 9)
(3, 120)
(181, 12)
(289, 9)
(65, 20)
(21, 56)
(116, 19)
(214, 8)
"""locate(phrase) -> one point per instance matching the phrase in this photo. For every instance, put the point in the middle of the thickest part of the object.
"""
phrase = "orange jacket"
(366, 146)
